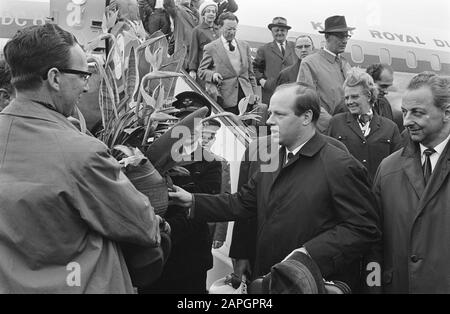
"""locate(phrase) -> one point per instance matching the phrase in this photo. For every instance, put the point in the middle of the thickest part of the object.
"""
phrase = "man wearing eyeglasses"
(304, 46)
(327, 69)
(65, 205)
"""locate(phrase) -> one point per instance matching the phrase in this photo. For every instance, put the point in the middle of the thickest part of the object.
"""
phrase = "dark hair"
(420, 79)
(375, 70)
(439, 86)
(306, 98)
(5, 77)
(227, 16)
(36, 49)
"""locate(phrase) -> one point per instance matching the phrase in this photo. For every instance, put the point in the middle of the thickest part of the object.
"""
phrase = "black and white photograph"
(220, 152)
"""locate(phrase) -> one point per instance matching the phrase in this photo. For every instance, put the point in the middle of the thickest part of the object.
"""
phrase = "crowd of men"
(347, 189)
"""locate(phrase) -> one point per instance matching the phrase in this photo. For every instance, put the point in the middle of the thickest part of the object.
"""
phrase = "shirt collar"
(296, 150)
(331, 53)
(279, 45)
(225, 42)
(439, 148)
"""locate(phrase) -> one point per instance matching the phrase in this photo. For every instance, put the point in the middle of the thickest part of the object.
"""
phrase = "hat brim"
(337, 30)
(270, 26)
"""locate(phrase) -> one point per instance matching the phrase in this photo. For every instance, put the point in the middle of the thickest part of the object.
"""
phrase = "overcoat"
(268, 64)
(383, 139)
(321, 199)
(65, 205)
(415, 220)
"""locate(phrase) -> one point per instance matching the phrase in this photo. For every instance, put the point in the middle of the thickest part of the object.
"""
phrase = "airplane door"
(83, 18)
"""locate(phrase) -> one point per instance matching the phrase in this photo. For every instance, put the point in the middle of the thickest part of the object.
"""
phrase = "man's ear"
(54, 79)
(447, 112)
(308, 117)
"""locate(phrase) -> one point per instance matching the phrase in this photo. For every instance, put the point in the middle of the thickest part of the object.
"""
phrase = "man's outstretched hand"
(180, 197)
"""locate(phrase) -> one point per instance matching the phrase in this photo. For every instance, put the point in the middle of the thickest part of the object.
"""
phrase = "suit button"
(414, 259)
(364, 142)
(364, 161)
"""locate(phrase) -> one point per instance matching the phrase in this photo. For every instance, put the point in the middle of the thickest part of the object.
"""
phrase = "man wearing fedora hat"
(327, 69)
(273, 57)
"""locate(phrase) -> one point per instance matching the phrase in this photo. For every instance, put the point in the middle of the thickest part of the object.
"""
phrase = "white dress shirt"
(435, 157)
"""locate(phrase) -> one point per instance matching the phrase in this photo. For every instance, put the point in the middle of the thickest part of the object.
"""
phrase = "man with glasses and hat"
(65, 204)
(326, 70)
(273, 57)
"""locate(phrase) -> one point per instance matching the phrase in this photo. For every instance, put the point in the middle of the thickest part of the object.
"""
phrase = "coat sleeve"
(205, 70)
(226, 207)
(109, 203)
(357, 215)
(305, 74)
(232, 6)
(193, 52)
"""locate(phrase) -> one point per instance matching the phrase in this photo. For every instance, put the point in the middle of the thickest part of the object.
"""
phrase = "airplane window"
(435, 62)
(385, 56)
(411, 59)
(357, 54)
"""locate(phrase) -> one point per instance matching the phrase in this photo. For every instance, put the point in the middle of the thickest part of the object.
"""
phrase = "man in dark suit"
(304, 46)
(317, 201)
(274, 57)
(227, 63)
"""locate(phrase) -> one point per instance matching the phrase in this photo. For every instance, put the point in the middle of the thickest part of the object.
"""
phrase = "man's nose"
(407, 120)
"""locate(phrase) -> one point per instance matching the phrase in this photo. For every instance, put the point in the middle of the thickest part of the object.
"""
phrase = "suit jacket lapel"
(277, 50)
(223, 55)
(354, 126)
(243, 54)
(288, 51)
(413, 168)
(438, 177)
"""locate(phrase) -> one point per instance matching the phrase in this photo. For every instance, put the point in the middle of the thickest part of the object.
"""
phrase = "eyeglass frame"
(341, 35)
(86, 75)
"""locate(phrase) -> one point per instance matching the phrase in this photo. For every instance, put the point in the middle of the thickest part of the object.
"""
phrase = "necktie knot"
(364, 119)
(283, 51)
(428, 152)
(231, 46)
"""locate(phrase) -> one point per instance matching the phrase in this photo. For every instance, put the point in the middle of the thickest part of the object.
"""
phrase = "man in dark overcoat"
(312, 197)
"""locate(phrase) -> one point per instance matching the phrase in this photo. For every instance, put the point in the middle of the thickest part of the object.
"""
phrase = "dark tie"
(282, 49)
(230, 45)
(427, 165)
(289, 157)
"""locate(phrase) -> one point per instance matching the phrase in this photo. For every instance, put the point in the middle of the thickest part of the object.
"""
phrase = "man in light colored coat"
(65, 204)
(273, 57)
(227, 63)
(326, 70)
(413, 189)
